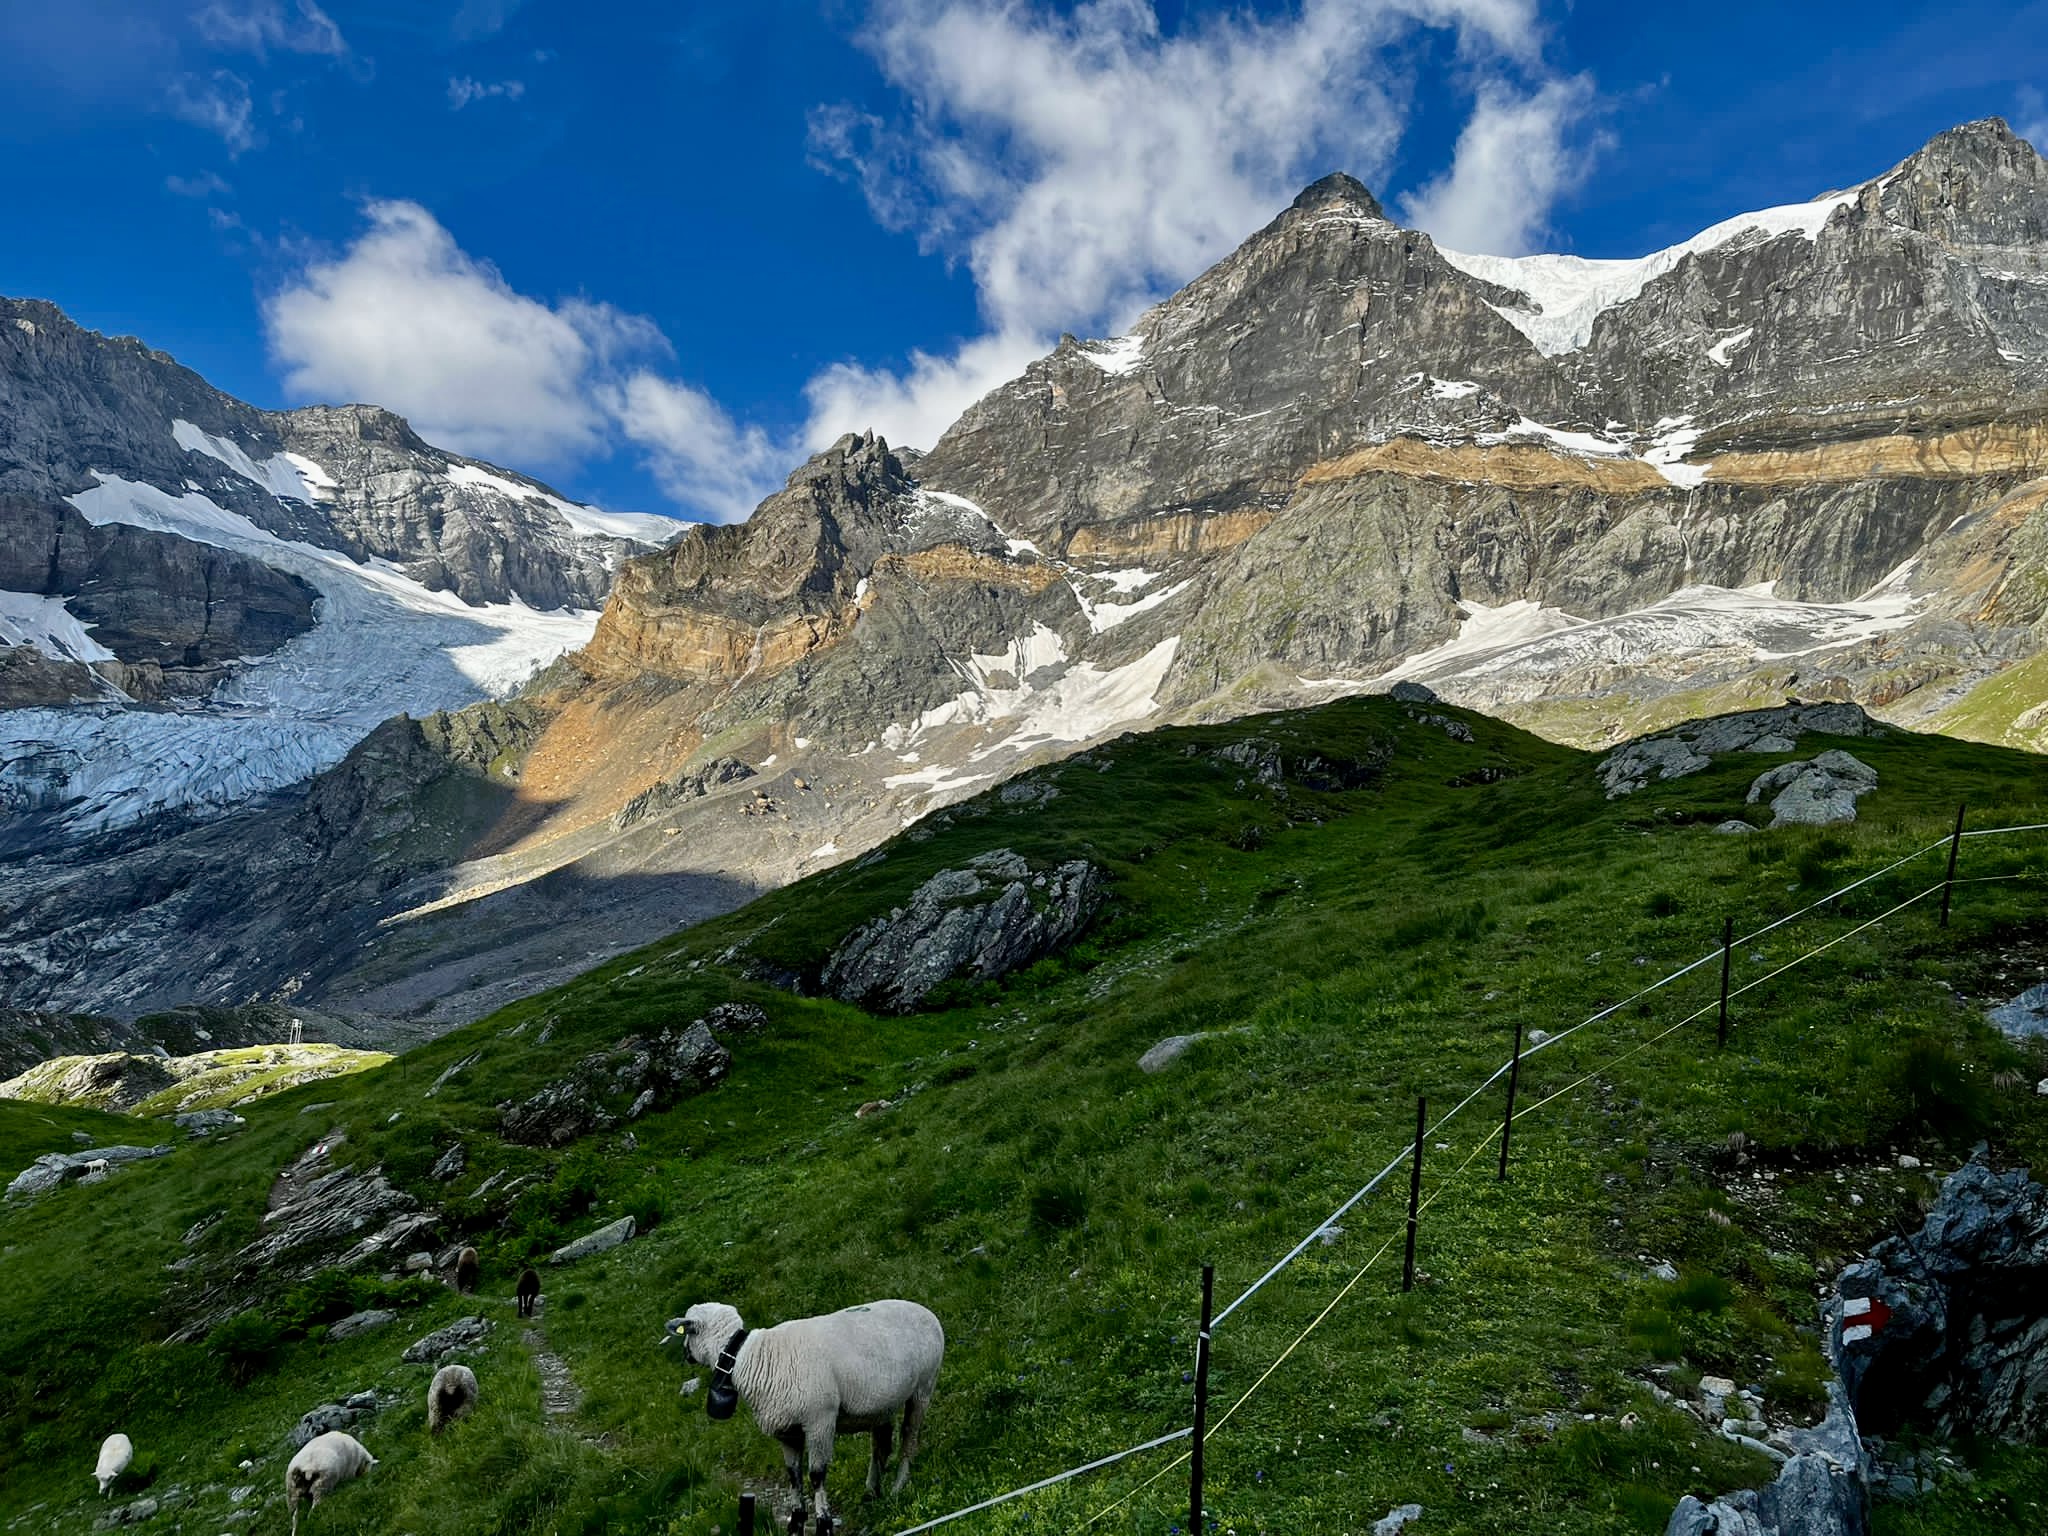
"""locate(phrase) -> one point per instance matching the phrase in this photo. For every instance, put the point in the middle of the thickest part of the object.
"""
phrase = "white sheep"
(812, 1378)
(116, 1451)
(452, 1394)
(322, 1465)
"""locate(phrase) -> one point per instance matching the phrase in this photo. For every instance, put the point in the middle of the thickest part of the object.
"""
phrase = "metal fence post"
(1201, 1402)
(1414, 1192)
(1507, 1123)
(746, 1514)
(1955, 846)
(1727, 956)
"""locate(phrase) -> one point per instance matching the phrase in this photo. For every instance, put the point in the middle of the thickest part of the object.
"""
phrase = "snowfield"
(1570, 291)
(383, 645)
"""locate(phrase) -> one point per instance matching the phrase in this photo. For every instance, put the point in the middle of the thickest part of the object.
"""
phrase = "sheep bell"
(724, 1399)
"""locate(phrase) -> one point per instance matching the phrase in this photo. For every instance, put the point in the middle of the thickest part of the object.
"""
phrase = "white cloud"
(1082, 165)
(462, 91)
(2031, 122)
(406, 318)
(258, 26)
(701, 458)
(915, 406)
(218, 103)
(1511, 166)
(205, 184)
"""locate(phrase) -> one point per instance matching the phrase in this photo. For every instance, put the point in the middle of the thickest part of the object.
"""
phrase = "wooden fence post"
(1507, 1123)
(746, 1514)
(1414, 1192)
(1727, 955)
(1955, 846)
(1201, 1402)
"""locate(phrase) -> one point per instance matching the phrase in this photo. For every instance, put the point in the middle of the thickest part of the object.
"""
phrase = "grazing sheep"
(452, 1394)
(116, 1451)
(466, 1266)
(812, 1378)
(529, 1291)
(322, 1465)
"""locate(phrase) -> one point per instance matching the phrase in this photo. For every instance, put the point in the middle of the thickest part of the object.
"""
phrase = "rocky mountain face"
(1804, 453)
(283, 580)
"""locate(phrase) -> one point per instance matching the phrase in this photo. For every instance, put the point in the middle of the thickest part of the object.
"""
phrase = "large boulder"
(995, 915)
(2026, 1016)
(631, 1078)
(1821, 792)
(463, 1336)
(54, 1168)
(1689, 748)
(1947, 1327)
(603, 1240)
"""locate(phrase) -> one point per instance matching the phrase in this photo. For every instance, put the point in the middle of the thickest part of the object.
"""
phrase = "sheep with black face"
(866, 1370)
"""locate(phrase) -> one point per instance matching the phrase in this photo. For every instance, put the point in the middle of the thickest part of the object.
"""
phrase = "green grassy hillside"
(1369, 930)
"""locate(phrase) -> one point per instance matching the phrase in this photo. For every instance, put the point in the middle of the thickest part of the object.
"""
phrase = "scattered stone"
(204, 1122)
(358, 1323)
(83, 1138)
(1390, 1524)
(468, 1061)
(680, 788)
(54, 1168)
(1028, 792)
(418, 1263)
(2026, 1016)
(1406, 692)
(672, 1066)
(872, 1107)
(1733, 828)
(1907, 1160)
(450, 1164)
(463, 1336)
(1819, 793)
(994, 916)
(641, 1104)
(735, 1018)
(1664, 1270)
(602, 1240)
(332, 1416)
(1689, 748)
(128, 1514)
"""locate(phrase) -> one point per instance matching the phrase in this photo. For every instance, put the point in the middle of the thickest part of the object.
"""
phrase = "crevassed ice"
(382, 644)
(1570, 291)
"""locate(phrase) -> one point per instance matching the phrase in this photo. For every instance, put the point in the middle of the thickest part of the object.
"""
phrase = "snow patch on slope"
(382, 645)
(1527, 644)
(1119, 355)
(27, 618)
(640, 527)
(1570, 291)
(292, 476)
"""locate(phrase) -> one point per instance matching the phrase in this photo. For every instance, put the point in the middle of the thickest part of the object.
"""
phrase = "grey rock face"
(450, 1163)
(603, 1240)
(176, 614)
(55, 1168)
(1394, 1521)
(603, 1086)
(463, 1336)
(1820, 1490)
(1819, 793)
(690, 784)
(984, 921)
(2026, 1016)
(1965, 1346)
(1688, 748)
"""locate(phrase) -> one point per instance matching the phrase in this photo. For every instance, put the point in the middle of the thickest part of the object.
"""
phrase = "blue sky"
(654, 252)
